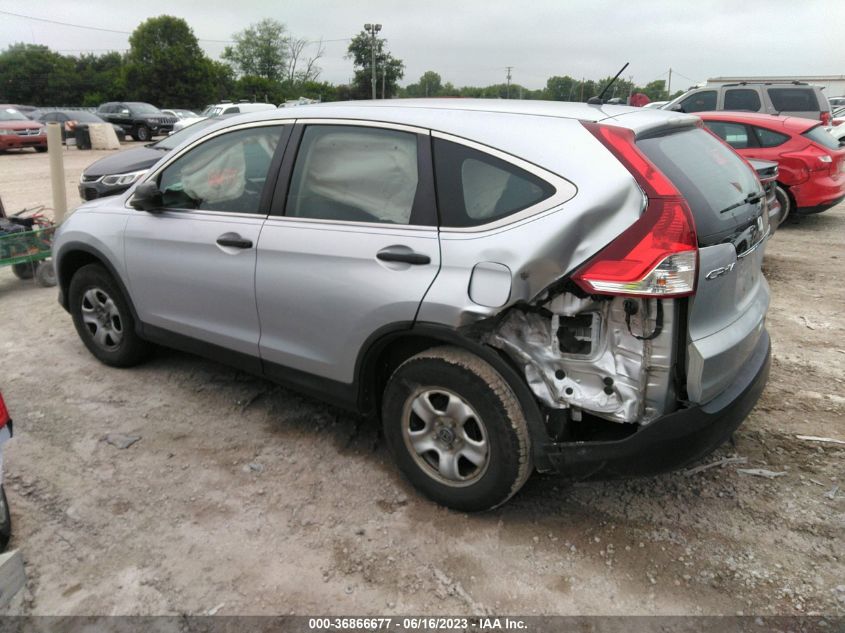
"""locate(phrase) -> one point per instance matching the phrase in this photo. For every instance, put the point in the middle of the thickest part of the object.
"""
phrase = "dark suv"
(142, 121)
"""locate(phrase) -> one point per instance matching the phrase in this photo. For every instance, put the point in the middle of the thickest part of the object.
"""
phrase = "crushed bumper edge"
(674, 440)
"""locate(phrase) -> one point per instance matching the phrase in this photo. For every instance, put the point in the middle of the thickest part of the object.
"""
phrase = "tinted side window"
(734, 134)
(355, 174)
(768, 138)
(231, 110)
(742, 99)
(700, 101)
(793, 99)
(475, 188)
(226, 173)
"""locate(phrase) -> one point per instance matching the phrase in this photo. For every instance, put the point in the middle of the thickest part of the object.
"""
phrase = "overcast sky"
(470, 42)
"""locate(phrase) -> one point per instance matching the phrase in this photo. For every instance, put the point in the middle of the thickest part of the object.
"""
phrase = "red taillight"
(824, 117)
(658, 254)
(4, 412)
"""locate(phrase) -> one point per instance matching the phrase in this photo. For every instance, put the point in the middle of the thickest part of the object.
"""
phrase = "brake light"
(824, 117)
(4, 413)
(658, 254)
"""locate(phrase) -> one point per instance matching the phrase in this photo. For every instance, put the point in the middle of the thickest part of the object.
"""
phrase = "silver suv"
(509, 286)
(780, 98)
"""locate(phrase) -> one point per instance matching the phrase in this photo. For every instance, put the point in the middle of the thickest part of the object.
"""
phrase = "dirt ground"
(244, 498)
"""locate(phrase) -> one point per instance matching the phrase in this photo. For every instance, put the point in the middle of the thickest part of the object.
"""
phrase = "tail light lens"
(4, 413)
(658, 254)
(824, 117)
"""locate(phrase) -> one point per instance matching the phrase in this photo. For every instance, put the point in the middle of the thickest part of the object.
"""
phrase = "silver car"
(510, 286)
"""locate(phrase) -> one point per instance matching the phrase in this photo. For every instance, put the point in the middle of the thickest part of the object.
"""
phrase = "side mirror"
(675, 107)
(147, 197)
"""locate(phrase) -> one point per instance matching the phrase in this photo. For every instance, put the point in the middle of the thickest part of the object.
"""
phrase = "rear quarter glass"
(794, 99)
(710, 176)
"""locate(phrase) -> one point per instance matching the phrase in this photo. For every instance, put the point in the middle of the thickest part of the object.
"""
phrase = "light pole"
(372, 29)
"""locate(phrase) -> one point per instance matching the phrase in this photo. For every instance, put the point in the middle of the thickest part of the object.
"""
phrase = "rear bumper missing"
(672, 441)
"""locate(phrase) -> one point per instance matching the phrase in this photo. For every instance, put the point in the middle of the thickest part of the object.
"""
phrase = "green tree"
(389, 70)
(429, 85)
(261, 50)
(33, 74)
(561, 89)
(165, 65)
(655, 90)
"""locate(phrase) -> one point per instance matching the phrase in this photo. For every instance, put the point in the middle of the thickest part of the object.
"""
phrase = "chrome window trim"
(340, 223)
(564, 189)
(153, 175)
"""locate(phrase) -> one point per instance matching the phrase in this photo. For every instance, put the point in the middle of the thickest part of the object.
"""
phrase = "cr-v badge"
(718, 272)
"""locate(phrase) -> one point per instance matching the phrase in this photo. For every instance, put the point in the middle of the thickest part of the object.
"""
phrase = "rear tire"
(456, 429)
(45, 274)
(5, 520)
(103, 319)
(785, 203)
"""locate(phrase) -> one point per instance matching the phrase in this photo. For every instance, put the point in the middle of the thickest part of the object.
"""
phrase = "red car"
(17, 132)
(810, 161)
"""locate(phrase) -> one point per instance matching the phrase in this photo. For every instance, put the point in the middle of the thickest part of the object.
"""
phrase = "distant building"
(834, 85)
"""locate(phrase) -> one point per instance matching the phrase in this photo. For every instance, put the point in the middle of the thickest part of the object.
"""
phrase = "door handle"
(234, 240)
(410, 257)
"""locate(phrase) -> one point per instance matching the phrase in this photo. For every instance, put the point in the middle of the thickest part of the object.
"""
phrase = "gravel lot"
(245, 498)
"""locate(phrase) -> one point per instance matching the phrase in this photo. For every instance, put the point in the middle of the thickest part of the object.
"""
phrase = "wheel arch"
(75, 255)
(390, 347)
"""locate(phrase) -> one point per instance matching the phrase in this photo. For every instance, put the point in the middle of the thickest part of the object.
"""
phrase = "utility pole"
(669, 86)
(383, 78)
(630, 88)
(509, 80)
(581, 98)
(372, 29)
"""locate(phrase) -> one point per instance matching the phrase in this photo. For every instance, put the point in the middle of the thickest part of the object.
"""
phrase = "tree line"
(166, 66)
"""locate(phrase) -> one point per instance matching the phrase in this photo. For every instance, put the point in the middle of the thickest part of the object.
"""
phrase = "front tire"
(456, 429)
(103, 319)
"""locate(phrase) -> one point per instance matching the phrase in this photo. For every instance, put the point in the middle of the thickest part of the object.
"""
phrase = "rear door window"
(710, 176)
(793, 99)
(742, 99)
(475, 188)
(700, 101)
(734, 134)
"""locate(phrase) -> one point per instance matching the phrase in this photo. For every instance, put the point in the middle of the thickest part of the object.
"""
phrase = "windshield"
(143, 108)
(10, 114)
(177, 137)
(822, 137)
(212, 111)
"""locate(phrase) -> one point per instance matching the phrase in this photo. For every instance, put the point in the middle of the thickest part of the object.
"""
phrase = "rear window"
(794, 99)
(822, 137)
(709, 175)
